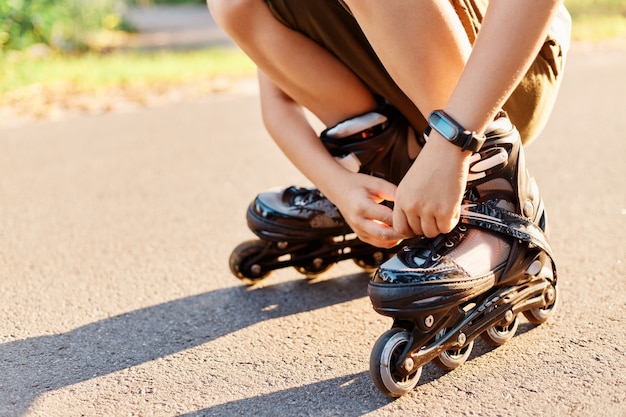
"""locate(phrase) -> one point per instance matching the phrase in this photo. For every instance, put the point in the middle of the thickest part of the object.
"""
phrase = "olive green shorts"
(328, 23)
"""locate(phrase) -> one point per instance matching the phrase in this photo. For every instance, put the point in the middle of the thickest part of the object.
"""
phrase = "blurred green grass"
(94, 71)
(597, 19)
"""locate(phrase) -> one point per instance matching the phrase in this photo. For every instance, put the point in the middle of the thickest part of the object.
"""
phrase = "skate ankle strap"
(505, 222)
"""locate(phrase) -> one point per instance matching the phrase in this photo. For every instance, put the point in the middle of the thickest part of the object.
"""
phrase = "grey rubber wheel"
(385, 353)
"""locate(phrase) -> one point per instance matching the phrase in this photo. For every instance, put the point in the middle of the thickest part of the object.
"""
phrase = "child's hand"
(428, 199)
(358, 199)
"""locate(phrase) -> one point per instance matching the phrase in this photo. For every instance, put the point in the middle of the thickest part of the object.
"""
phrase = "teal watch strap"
(454, 133)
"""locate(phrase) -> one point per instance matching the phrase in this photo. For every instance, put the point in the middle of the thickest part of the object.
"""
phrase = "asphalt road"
(116, 297)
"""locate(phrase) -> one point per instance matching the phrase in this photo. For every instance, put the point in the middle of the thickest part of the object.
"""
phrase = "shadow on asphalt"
(37, 365)
(345, 396)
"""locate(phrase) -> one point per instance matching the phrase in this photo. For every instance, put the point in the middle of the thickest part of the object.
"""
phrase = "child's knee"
(228, 14)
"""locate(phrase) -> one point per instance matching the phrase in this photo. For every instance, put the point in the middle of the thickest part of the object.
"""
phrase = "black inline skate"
(299, 227)
(444, 292)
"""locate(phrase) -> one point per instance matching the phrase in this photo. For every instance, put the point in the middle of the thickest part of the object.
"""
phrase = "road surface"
(116, 296)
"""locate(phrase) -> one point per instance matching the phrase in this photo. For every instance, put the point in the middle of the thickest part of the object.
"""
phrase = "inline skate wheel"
(318, 265)
(370, 263)
(315, 268)
(541, 315)
(385, 354)
(453, 358)
(241, 261)
(501, 333)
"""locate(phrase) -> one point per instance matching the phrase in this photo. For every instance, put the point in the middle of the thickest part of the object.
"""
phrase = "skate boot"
(300, 227)
(444, 292)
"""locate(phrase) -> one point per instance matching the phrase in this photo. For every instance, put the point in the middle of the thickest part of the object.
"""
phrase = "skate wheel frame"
(453, 358)
(499, 334)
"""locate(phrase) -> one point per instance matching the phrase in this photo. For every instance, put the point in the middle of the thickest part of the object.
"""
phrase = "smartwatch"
(454, 133)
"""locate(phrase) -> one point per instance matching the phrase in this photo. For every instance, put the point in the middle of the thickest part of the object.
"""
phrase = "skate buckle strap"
(313, 204)
(505, 222)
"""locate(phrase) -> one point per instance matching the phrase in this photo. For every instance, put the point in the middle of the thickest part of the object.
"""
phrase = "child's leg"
(280, 41)
(303, 69)
(423, 45)
(439, 36)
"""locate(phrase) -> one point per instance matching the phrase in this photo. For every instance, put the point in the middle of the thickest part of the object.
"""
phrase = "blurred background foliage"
(65, 25)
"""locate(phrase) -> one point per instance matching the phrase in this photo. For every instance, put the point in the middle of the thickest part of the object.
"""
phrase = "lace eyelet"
(449, 244)
(435, 258)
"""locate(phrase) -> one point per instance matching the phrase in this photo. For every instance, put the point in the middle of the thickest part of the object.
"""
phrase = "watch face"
(442, 126)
